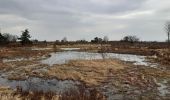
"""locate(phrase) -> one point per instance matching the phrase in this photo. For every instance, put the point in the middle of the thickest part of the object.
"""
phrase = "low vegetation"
(20, 59)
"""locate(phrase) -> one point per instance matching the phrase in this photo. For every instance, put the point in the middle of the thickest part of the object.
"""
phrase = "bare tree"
(64, 39)
(105, 39)
(167, 29)
(10, 37)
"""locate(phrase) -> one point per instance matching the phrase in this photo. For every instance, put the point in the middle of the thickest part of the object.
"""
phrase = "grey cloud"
(77, 19)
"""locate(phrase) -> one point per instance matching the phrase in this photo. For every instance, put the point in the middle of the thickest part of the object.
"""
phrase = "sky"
(85, 19)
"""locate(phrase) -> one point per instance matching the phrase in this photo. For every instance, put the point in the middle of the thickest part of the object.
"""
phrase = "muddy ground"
(114, 78)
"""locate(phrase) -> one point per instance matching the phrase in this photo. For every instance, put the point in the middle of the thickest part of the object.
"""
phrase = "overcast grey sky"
(85, 19)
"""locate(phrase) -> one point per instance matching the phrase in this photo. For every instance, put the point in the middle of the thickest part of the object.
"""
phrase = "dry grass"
(21, 52)
(92, 72)
(81, 93)
(98, 64)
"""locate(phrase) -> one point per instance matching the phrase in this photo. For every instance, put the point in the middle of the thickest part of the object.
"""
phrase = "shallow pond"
(34, 83)
(41, 49)
(64, 57)
(70, 49)
(39, 84)
(6, 60)
(163, 88)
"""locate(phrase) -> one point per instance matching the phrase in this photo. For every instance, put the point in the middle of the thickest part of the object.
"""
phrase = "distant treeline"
(7, 39)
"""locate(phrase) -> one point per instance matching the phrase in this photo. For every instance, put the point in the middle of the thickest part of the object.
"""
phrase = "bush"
(130, 39)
